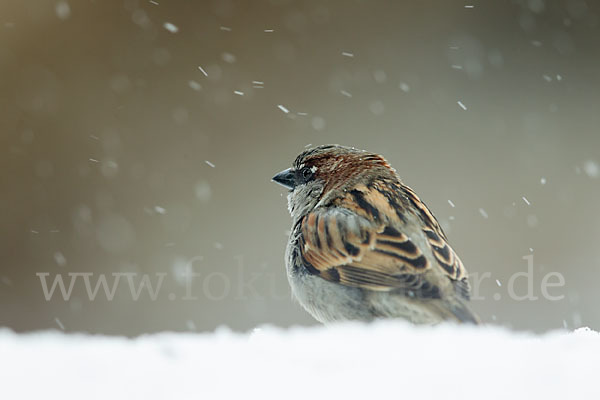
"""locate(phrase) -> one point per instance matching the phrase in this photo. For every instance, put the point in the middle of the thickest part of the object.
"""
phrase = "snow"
(59, 323)
(171, 27)
(63, 10)
(591, 168)
(229, 57)
(341, 361)
(202, 70)
(483, 213)
(60, 259)
(194, 85)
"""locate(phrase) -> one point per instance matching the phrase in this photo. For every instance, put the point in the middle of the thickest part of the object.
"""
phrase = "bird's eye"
(305, 175)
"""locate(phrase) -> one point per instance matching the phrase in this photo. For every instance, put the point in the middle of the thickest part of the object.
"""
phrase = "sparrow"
(363, 246)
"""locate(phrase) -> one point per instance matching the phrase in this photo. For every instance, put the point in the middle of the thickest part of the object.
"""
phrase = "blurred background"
(138, 140)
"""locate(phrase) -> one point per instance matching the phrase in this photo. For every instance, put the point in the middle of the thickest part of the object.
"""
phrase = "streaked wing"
(447, 259)
(357, 244)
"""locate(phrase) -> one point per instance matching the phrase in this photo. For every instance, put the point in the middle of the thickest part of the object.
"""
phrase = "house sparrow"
(363, 245)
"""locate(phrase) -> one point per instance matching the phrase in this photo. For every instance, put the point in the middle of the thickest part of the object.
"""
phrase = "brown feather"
(359, 241)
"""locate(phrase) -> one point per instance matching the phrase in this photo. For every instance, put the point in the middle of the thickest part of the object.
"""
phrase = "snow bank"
(342, 361)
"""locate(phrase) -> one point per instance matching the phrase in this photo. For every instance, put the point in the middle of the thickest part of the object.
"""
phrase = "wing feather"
(359, 243)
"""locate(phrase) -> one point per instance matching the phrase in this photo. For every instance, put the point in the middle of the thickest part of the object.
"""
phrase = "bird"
(363, 246)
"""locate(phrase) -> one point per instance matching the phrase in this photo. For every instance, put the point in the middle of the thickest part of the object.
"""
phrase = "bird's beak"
(285, 178)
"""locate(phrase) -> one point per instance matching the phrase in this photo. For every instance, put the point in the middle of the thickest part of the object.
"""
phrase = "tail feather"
(455, 310)
(464, 313)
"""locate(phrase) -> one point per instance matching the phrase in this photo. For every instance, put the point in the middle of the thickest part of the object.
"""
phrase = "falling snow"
(203, 191)
(59, 323)
(171, 27)
(194, 85)
(229, 57)
(202, 70)
(591, 169)
(60, 259)
(63, 10)
(190, 325)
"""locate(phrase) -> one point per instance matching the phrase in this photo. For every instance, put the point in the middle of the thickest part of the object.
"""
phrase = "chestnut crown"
(335, 166)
